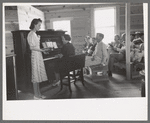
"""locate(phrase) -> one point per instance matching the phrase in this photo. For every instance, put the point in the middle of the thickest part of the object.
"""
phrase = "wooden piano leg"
(81, 74)
(61, 82)
(131, 69)
(69, 83)
(74, 76)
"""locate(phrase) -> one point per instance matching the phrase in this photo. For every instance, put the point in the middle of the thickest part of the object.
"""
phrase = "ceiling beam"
(65, 7)
(62, 7)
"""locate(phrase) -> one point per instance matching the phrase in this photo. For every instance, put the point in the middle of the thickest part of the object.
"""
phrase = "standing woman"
(37, 64)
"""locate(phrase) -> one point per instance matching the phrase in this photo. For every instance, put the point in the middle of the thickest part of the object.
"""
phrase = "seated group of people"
(118, 54)
(116, 50)
(96, 53)
(95, 48)
(106, 55)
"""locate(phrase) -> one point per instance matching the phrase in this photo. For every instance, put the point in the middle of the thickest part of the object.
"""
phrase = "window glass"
(104, 21)
(62, 25)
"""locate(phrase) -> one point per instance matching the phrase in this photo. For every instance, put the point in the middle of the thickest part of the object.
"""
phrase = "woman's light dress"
(37, 63)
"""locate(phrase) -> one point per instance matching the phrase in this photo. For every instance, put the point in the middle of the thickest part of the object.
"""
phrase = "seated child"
(92, 47)
(88, 43)
(89, 46)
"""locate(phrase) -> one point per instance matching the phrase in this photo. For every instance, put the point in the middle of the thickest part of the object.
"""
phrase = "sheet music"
(44, 45)
(55, 45)
(48, 44)
(51, 44)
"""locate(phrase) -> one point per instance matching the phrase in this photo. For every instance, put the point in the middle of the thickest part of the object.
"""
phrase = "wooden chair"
(97, 68)
(69, 64)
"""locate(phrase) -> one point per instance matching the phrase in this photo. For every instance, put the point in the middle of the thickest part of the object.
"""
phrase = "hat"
(139, 33)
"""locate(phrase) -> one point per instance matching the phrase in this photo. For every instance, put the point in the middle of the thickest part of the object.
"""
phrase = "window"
(62, 25)
(104, 22)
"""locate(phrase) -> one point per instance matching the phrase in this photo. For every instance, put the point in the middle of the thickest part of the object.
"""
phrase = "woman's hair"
(117, 36)
(67, 37)
(34, 22)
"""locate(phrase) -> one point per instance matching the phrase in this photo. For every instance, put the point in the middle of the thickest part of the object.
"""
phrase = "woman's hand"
(38, 36)
(58, 56)
(45, 51)
(115, 48)
(111, 45)
(118, 49)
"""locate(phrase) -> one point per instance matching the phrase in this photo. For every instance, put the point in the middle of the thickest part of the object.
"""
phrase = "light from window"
(104, 22)
(62, 25)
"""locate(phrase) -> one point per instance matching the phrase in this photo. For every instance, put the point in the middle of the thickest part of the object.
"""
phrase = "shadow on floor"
(95, 87)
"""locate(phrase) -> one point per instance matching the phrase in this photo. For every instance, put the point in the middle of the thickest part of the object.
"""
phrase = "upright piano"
(23, 55)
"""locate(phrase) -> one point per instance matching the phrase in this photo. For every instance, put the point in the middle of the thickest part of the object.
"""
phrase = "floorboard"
(95, 87)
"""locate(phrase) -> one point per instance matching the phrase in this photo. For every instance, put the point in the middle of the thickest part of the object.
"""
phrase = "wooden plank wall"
(136, 12)
(19, 19)
(80, 25)
(11, 24)
(81, 22)
(26, 14)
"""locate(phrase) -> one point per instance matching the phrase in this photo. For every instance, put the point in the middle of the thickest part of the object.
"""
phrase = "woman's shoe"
(56, 84)
(42, 96)
(37, 98)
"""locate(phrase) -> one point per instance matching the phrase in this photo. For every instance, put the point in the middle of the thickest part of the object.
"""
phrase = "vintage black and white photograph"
(73, 51)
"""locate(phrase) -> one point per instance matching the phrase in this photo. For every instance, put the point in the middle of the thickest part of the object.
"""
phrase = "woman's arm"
(31, 40)
(36, 49)
(45, 51)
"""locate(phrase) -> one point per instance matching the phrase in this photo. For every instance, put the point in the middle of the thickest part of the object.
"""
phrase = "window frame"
(116, 19)
(60, 19)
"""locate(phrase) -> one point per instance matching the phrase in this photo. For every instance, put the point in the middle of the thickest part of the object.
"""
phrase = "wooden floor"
(113, 87)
